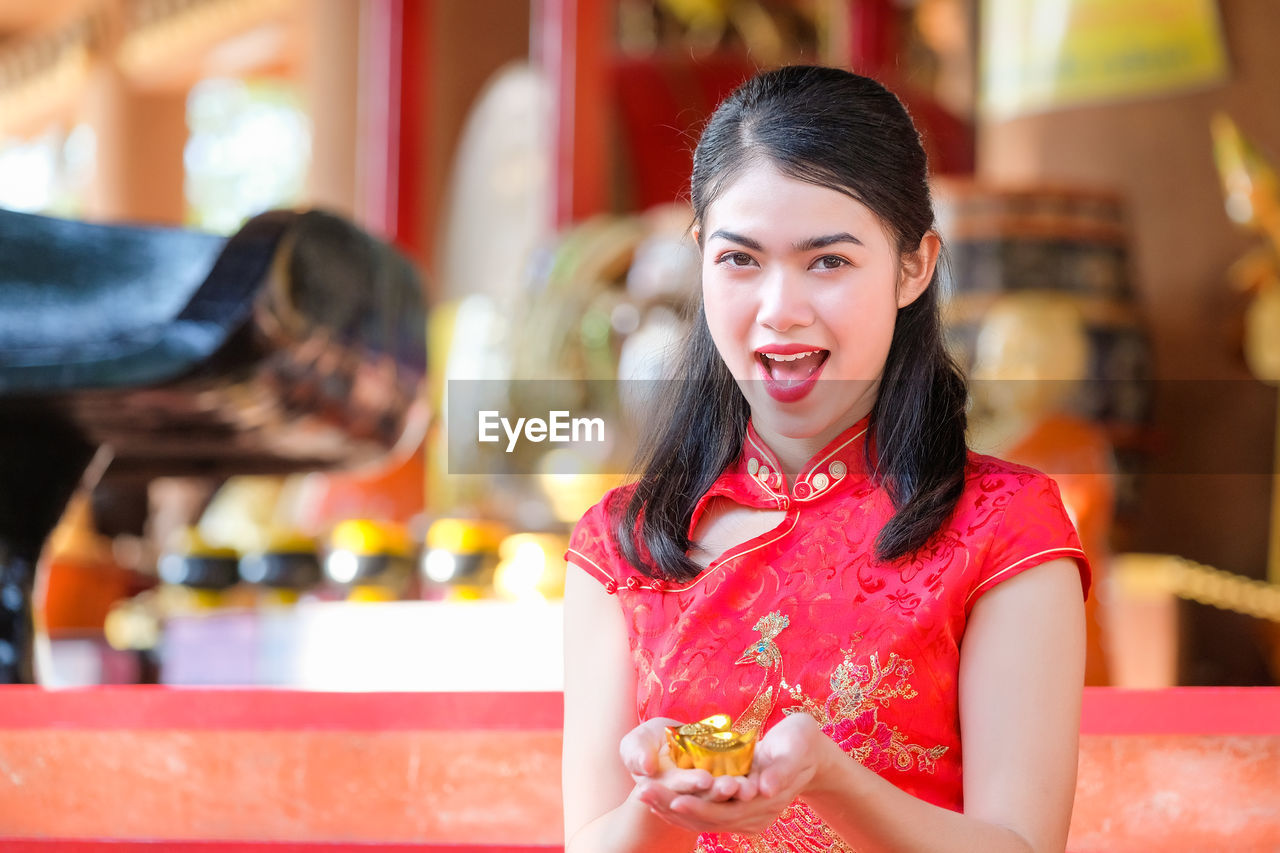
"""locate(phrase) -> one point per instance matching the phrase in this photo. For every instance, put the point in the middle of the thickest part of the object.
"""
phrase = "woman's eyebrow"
(739, 239)
(803, 246)
(822, 242)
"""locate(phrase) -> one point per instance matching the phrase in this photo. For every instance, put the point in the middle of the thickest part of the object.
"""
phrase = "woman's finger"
(783, 755)
(687, 781)
(656, 796)
(639, 748)
(701, 810)
(748, 788)
(723, 788)
(774, 779)
(638, 761)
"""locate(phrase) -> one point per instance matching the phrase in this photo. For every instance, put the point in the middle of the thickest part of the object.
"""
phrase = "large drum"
(1069, 242)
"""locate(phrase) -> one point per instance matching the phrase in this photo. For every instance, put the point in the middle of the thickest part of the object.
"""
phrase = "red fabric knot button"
(658, 584)
(633, 583)
(610, 587)
(802, 490)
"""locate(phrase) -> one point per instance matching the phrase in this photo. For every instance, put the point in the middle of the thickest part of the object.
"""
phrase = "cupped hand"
(786, 761)
(644, 753)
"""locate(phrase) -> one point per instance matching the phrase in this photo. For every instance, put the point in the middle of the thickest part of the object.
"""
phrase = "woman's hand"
(790, 758)
(644, 754)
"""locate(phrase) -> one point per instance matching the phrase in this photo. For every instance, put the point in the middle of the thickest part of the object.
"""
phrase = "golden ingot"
(712, 745)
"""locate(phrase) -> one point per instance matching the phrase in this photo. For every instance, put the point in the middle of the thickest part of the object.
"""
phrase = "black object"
(201, 571)
(391, 569)
(297, 344)
(296, 570)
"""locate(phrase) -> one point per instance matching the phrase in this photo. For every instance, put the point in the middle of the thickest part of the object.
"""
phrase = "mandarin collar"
(755, 478)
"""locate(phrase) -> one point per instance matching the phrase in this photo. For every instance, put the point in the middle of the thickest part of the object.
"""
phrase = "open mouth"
(790, 376)
(794, 369)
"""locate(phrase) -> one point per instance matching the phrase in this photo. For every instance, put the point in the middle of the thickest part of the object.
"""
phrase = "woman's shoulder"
(611, 504)
(985, 474)
(593, 545)
(995, 488)
(1017, 514)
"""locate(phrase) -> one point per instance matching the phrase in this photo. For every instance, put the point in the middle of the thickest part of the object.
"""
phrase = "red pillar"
(573, 41)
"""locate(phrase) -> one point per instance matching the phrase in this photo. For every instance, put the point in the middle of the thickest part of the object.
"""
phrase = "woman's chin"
(799, 426)
(811, 417)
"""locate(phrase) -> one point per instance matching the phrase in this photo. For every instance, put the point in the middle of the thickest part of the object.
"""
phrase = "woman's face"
(802, 286)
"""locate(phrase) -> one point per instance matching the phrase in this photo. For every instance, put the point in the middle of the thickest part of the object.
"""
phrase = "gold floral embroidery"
(850, 716)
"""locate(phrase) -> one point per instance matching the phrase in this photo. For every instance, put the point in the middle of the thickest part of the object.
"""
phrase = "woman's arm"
(1021, 676)
(601, 813)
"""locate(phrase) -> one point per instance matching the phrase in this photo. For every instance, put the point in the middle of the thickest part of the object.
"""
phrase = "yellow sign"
(1043, 54)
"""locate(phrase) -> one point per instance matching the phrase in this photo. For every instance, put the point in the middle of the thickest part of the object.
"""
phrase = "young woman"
(810, 547)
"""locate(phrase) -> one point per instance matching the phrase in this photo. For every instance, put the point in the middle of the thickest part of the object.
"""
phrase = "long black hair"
(848, 133)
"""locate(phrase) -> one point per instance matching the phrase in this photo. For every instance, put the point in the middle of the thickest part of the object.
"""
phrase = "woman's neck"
(795, 452)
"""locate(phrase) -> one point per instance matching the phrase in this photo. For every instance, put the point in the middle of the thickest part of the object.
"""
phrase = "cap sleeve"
(1034, 529)
(591, 546)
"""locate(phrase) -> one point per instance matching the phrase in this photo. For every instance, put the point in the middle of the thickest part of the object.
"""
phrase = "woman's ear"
(917, 269)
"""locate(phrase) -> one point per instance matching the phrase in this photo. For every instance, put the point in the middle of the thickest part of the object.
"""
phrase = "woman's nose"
(784, 302)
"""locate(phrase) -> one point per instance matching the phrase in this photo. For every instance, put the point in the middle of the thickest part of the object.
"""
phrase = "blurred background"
(1104, 184)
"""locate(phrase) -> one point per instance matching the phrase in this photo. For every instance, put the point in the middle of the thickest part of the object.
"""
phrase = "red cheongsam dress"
(805, 619)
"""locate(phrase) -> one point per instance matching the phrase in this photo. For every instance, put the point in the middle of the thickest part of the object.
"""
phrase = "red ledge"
(1182, 710)
(145, 707)
(106, 846)
(1107, 711)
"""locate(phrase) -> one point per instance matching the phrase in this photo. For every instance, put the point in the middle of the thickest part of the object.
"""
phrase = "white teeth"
(797, 356)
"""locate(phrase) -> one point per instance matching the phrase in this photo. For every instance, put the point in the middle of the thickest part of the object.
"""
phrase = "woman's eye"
(736, 259)
(830, 262)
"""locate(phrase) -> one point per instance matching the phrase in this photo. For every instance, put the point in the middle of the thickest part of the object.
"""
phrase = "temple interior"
(278, 278)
